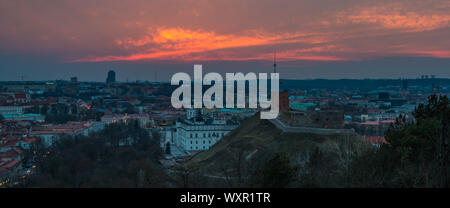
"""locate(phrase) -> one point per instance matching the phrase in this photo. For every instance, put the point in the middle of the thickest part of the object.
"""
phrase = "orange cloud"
(430, 53)
(395, 17)
(185, 44)
(231, 30)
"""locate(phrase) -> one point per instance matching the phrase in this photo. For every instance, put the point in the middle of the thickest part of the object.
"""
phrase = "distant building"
(11, 109)
(143, 119)
(111, 77)
(302, 106)
(373, 128)
(383, 96)
(74, 79)
(376, 141)
(50, 133)
(436, 88)
(404, 84)
(25, 117)
(30, 87)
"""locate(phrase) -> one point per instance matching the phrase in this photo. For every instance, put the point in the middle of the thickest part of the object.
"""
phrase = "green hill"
(256, 141)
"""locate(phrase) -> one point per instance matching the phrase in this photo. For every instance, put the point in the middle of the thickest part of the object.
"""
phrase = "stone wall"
(322, 131)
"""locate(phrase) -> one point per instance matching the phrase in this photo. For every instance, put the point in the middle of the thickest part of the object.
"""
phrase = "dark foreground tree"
(417, 153)
(121, 155)
(274, 173)
(168, 148)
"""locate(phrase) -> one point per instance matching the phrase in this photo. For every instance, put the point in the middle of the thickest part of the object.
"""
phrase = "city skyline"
(141, 40)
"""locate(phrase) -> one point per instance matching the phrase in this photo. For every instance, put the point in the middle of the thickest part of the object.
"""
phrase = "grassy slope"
(261, 135)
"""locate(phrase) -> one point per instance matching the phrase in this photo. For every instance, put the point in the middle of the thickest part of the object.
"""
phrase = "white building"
(198, 132)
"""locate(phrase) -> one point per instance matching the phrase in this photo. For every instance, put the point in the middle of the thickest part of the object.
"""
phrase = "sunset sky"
(57, 39)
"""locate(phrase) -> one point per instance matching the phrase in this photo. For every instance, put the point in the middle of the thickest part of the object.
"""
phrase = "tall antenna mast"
(275, 62)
